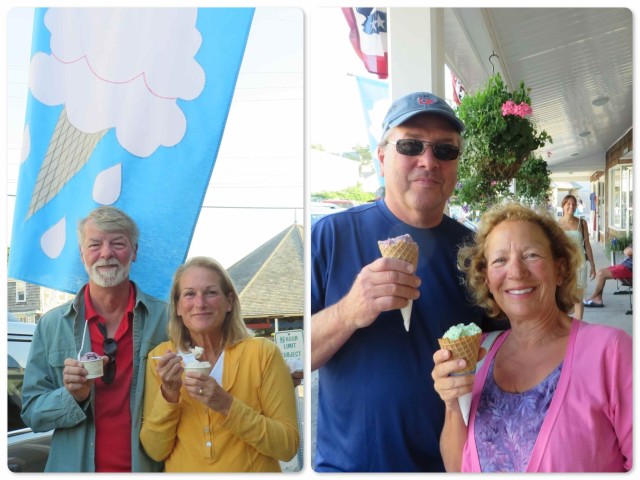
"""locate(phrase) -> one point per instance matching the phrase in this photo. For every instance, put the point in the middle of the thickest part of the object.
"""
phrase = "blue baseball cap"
(416, 103)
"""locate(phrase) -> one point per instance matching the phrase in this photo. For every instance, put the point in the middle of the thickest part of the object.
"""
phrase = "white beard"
(111, 277)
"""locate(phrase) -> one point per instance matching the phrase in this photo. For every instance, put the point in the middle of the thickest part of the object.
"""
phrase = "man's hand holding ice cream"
(77, 379)
(383, 285)
(403, 248)
(455, 365)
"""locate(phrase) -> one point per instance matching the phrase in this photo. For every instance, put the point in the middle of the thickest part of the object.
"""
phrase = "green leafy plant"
(619, 243)
(499, 138)
(533, 181)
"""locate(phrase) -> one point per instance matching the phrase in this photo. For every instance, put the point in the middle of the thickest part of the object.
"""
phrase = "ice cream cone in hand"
(403, 248)
(463, 341)
(465, 347)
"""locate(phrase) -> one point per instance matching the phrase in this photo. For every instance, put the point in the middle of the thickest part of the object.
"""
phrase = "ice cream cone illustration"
(68, 151)
(463, 341)
(107, 80)
(404, 248)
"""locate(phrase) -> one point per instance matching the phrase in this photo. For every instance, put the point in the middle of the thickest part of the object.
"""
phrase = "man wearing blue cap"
(377, 409)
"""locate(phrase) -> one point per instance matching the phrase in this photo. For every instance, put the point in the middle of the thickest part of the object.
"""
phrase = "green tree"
(355, 194)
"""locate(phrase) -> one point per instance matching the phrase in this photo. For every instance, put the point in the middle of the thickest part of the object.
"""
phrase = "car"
(27, 451)
(321, 209)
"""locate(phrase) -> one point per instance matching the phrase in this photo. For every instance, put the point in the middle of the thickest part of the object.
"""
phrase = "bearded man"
(96, 421)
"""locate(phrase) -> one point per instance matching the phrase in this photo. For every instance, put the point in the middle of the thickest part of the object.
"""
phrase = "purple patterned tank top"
(507, 424)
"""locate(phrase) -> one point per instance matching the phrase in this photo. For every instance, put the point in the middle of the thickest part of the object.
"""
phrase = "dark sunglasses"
(412, 148)
(110, 348)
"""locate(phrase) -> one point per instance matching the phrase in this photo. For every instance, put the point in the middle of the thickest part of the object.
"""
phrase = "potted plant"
(616, 245)
(499, 137)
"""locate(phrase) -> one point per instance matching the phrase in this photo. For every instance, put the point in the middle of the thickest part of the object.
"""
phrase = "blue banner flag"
(374, 95)
(126, 107)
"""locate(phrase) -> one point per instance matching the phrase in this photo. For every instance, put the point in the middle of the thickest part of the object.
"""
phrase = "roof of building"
(270, 280)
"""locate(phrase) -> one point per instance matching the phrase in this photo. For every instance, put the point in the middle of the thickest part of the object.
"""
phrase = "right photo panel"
(470, 187)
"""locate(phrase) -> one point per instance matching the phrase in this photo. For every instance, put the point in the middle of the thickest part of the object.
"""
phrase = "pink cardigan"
(588, 427)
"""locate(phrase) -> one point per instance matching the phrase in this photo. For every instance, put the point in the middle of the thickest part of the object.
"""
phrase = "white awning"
(567, 185)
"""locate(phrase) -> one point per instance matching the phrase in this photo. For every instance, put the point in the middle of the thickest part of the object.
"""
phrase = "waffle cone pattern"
(465, 347)
(406, 250)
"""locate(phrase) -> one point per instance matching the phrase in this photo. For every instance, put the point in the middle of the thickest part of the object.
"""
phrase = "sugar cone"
(465, 347)
(406, 249)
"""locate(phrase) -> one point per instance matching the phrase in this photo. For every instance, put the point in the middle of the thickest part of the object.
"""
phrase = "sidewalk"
(616, 306)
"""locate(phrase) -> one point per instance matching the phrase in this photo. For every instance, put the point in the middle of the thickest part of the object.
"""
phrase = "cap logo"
(425, 101)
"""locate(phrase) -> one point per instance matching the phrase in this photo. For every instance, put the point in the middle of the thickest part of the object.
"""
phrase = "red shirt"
(112, 402)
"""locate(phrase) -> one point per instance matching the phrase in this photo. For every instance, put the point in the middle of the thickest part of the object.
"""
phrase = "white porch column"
(416, 50)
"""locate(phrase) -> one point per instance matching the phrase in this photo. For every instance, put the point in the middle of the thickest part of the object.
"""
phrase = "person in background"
(553, 394)
(622, 271)
(376, 411)
(96, 422)
(576, 228)
(240, 417)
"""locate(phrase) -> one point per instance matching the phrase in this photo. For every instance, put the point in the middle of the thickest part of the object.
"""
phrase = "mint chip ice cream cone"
(463, 341)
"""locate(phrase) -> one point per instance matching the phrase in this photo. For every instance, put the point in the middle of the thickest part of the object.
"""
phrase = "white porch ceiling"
(568, 57)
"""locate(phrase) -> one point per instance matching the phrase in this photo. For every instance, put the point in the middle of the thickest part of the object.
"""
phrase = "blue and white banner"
(126, 107)
(374, 95)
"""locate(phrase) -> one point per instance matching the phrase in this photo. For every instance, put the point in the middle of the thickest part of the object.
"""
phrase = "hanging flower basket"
(499, 137)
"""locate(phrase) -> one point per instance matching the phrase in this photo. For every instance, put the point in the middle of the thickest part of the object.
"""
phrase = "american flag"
(369, 37)
(458, 89)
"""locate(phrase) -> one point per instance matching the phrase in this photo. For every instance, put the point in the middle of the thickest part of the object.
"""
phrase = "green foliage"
(618, 244)
(365, 154)
(355, 194)
(533, 181)
(496, 145)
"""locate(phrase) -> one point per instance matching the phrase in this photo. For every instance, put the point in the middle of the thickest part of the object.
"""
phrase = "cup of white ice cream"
(195, 366)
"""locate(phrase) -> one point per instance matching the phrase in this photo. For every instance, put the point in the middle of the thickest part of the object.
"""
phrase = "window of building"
(621, 195)
(21, 291)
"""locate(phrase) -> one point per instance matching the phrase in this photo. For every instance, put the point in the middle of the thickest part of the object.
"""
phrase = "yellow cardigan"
(261, 427)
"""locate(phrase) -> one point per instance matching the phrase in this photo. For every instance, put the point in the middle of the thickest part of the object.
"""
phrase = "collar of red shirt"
(90, 312)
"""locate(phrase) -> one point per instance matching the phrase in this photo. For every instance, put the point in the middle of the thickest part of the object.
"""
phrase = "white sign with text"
(291, 344)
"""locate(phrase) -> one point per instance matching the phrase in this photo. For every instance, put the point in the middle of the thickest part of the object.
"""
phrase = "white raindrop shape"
(53, 240)
(26, 144)
(108, 185)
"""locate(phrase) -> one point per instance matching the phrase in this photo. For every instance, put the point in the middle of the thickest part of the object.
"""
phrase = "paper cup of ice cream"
(92, 362)
(202, 367)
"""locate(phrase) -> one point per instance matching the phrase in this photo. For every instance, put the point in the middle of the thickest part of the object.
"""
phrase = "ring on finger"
(200, 391)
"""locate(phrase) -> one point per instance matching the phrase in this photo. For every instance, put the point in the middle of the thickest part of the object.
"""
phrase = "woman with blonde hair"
(241, 416)
(553, 394)
(576, 228)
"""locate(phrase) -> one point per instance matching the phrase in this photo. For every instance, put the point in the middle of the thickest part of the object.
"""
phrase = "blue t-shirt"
(377, 407)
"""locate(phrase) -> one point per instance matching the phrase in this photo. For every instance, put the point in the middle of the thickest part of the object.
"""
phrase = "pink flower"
(521, 110)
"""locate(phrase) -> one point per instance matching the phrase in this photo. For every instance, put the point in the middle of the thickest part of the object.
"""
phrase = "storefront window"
(621, 194)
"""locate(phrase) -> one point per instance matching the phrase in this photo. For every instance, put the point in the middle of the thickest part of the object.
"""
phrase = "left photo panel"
(155, 231)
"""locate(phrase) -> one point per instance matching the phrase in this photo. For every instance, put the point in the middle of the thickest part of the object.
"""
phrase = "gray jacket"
(46, 403)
